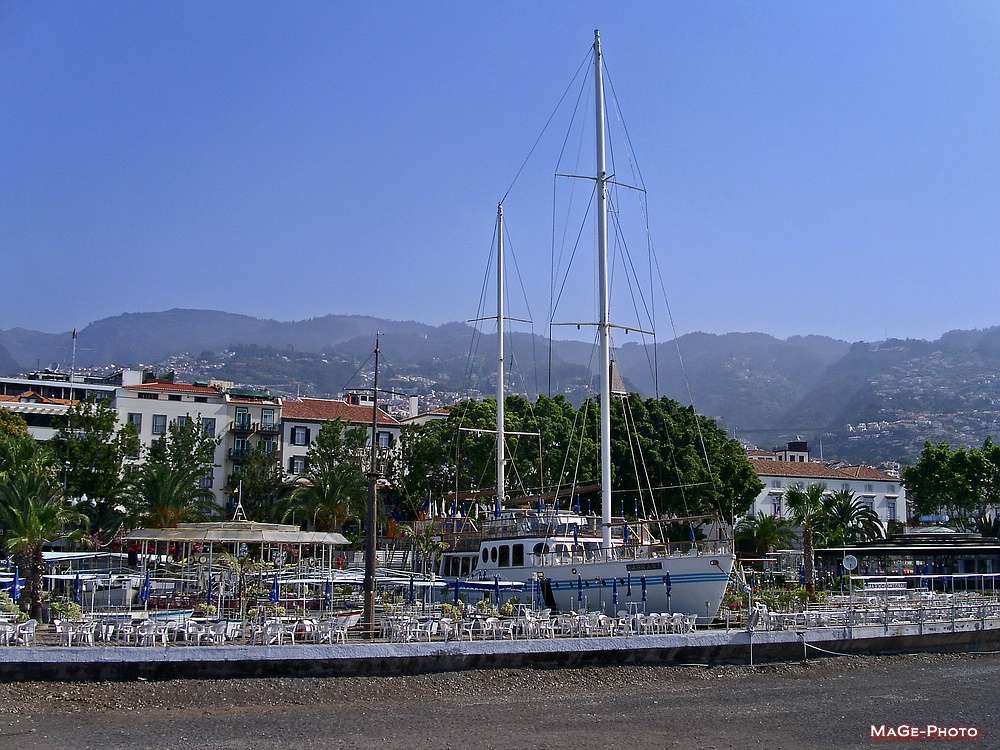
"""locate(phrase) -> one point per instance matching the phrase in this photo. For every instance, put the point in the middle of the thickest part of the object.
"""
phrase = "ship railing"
(628, 552)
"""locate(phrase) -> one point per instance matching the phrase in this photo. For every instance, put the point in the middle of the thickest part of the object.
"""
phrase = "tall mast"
(370, 522)
(501, 479)
(604, 324)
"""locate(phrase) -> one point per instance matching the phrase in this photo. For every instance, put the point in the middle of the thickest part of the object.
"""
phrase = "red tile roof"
(323, 410)
(32, 397)
(174, 387)
(866, 472)
(812, 470)
(803, 469)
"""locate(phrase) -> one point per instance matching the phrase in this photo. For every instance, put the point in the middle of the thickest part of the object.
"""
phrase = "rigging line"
(631, 278)
(680, 359)
(583, 66)
(554, 267)
(576, 247)
(476, 338)
(627, 138)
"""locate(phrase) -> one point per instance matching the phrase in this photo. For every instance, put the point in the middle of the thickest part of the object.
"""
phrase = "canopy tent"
(229, 532)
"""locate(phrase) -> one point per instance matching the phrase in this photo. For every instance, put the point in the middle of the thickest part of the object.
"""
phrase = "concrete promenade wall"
(118, 663)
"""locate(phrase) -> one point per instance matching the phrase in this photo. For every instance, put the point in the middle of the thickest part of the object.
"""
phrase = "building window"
(241, 446)
(845, 487)
(869, 503)
(242, 418)
(181, 422)
(267, 419)
(269, 446)
(384, 438)
(153, 396)
(891, 489)
(776, 483)
(890, 510)
(201, 399)
(174, 397)
(208, 426)
(776, 507)
(207, 481)
(869, 488)
(297, 465)
(159, 424)
(136, 419)
(300, 436)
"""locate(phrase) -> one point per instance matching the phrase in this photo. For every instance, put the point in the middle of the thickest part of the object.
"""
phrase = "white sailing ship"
(564, 559)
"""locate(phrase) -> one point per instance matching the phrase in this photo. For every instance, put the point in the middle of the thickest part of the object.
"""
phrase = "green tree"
(764, 533)
(959, 483)
(330, 496)
(425, 542)
(21, 452)
(260, 485)
(93, 450)
(12, 423)
(159, 496)
(847, 520)
(808, 507)
(32, 513)
(169, 486)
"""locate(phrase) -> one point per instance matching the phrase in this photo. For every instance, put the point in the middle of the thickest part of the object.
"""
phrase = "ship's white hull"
(697, 583)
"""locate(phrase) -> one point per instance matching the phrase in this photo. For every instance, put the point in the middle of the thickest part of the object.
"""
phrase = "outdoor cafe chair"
(150, 632)
(83, 634)
(25, 633)
(216, 632)
(7, 633)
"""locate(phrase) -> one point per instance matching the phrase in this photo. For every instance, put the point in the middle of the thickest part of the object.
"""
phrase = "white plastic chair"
(25, 633)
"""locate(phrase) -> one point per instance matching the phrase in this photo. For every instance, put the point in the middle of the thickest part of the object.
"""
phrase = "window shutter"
(291, 464)
(307, 436)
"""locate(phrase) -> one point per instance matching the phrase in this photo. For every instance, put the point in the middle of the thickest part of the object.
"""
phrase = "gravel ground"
(824, 703)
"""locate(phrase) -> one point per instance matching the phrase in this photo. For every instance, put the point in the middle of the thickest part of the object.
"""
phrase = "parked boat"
(563, 558)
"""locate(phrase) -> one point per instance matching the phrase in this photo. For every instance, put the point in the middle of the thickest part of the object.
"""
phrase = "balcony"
(239, 454)
(268, 428)
(243, 425)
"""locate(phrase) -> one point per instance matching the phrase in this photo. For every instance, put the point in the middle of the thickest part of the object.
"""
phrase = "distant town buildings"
(245, 419)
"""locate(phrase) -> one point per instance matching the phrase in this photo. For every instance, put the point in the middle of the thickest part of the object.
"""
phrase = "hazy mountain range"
(862, 401)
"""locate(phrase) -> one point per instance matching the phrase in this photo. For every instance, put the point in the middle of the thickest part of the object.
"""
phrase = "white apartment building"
(881, 492)
(153, 405)
(303, 418)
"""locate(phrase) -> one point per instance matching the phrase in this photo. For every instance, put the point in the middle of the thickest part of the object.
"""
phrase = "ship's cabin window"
(466, 565)
(493, 554)
(540, 548)
(504, 556)
(486, 555)
(517, 555)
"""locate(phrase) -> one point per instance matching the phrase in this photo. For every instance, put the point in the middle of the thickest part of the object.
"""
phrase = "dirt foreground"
(826, 703)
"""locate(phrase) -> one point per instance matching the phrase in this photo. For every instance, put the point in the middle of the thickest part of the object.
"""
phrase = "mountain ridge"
(765, 389)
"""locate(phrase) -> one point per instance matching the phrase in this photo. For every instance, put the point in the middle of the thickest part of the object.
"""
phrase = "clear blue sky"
(813, 167)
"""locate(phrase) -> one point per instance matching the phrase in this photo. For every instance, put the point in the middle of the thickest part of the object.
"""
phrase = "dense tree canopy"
(170, 486)
(93, 449)
(658, 461)
(333, 490)
(962, 484)
(33, 511)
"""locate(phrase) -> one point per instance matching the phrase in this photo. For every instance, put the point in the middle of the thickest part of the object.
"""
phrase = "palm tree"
(847, 520)
(425, 542)
(331, 495)
(808, 508)
(32, 513)
(765, 533)
(162, 496)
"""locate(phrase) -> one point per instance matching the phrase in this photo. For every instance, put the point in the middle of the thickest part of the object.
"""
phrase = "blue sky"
(812, 167)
